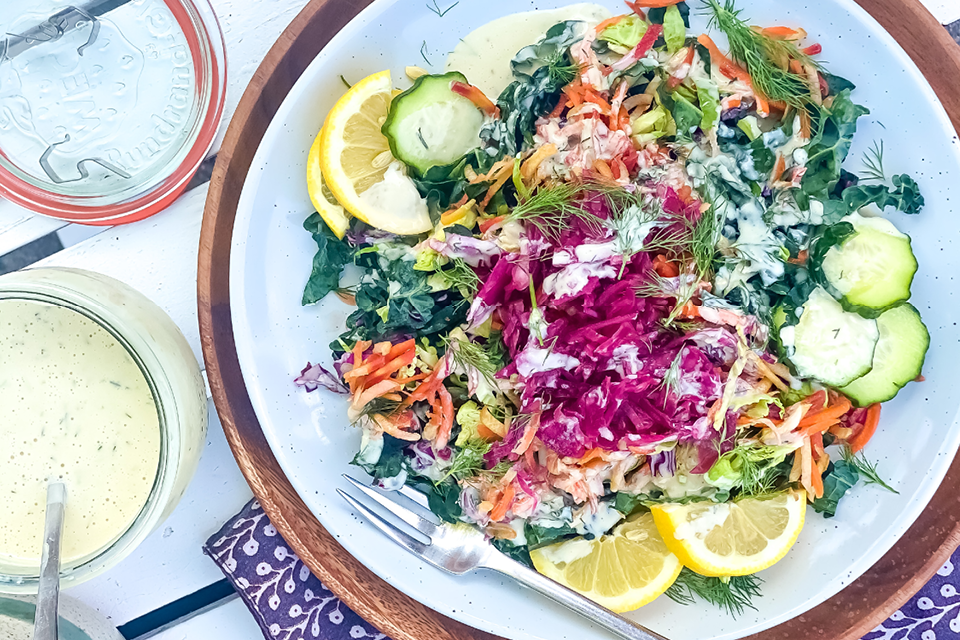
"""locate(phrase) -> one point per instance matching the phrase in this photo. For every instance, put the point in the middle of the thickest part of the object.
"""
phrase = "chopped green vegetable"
(674, 29)
(332, 255)
(733, 595)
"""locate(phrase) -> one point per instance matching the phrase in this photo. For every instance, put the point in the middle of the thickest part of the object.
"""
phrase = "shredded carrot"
(609, 22)
(391, 367)
(805, 124)
(801, 258)
(392, 427)
(603, 168)
(486, 224)
(796, 67)
(495, 170)
(361, 398)
(557, 110)
(419, 376)
(782, 33)
(823, 420)
(860, 439)
(592, 96)
(529, 433)
(637, 8)
(503, 504)
(529, 167)
(476, 96)
(505, 174)
(813, 50)
(446, 417)
(816, 480)
(778, 168)
(665, 268)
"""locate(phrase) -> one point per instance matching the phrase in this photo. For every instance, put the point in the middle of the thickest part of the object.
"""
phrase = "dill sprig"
(760, 472)
(436, 8)
(560, 70)
(873, 163)
(733, 595)
(381, 406)
(460, 276)
(468, 460)
(551, 209)
(761, 56)
(866, 469)
(485, 358)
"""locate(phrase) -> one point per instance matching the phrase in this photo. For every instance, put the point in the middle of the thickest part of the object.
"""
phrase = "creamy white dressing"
(572, 279)
(533, 360)
(597, 524)
(701, 523)
(397, 194)
(484, 55)
(569, 551)
(75, 407)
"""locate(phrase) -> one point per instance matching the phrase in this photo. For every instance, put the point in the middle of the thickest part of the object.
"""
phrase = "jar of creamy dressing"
(100, 390)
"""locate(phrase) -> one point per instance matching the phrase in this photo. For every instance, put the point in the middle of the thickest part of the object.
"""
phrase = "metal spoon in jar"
(48, 594)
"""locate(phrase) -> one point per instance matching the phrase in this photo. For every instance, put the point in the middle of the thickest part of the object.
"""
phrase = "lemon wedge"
(326, 205)
(357, 165)
(621, 571)
(734, 538)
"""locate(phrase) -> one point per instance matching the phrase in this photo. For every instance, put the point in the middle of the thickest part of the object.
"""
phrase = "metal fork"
(460, 548)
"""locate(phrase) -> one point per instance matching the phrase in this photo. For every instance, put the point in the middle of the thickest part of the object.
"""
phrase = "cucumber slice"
(429, 125)
(897, 360)
(873, 268)
(829, 344)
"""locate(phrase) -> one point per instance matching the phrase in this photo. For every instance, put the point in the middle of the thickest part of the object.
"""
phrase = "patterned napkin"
(289, 603)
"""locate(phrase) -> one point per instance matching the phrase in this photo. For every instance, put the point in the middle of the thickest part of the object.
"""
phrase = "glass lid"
(107, 107)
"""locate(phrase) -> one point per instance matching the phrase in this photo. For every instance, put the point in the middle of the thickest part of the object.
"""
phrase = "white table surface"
(158, 256)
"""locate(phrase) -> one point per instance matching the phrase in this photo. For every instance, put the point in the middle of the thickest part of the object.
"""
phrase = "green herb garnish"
(733, 595)
(760, 55)
(866, 469)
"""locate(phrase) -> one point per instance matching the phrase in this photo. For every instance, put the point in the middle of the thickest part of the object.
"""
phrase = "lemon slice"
(734, 538)
(326, 205)
(358, 167)
(621, 571)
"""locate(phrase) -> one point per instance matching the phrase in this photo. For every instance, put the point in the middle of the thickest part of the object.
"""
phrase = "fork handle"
(569, 598)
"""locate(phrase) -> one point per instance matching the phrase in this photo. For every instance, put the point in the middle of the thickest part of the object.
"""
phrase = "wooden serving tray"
(847, 616)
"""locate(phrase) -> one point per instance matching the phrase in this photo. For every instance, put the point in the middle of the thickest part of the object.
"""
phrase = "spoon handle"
(48, 593)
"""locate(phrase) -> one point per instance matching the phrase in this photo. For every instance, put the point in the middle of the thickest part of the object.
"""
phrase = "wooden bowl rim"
(847, 616)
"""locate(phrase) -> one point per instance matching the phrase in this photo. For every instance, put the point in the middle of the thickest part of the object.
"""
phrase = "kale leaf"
(841, 477)
(541, 71)
(391, 462)
(441, 186)
(518, 553)
(539, 536)
(395, 300)
(832, 236)
(444, 500)
(830, 146)
(332, 254)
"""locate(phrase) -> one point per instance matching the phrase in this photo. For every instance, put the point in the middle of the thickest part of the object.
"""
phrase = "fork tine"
(416, 496)
(403, 539)
(422, 525)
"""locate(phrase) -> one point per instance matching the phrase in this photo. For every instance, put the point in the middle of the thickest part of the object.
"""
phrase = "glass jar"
(170, 369)
(107, 108)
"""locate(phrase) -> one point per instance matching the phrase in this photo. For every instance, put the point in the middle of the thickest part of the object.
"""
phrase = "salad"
(632, 315)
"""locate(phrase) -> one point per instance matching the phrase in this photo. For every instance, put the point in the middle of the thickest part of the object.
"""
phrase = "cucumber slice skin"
(898, 359)
(830, 344)
(429, 125)
(872, 270)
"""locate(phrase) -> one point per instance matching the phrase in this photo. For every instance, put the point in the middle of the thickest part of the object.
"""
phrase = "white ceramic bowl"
(310, 435)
